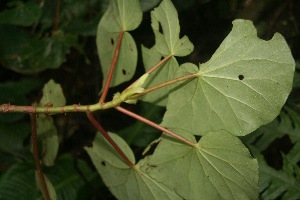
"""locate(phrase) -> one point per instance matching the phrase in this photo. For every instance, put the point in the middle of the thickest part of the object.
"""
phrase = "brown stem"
(36, 155)
(56, 17)
(150, 123)
(109, 139)
(159, 64)
(112, 68)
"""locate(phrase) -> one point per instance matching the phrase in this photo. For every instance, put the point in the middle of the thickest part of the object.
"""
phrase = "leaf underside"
(166, 28)
(243, 86)
(219, 167)
(119, 17)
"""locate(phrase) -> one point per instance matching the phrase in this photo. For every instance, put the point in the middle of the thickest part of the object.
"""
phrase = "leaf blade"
(237, 92)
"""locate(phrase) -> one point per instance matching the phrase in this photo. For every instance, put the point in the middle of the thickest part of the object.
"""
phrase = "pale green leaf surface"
(162, 74)
(47, 132)
(243, 86)
(52, 93)
(123, 181)
(127, 59)
(120, 16)
(220, 167)
(166, 28)
(50, 186)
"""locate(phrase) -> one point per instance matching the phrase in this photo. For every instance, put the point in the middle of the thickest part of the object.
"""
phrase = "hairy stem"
(150, 123)
(112, 68)
(190, 76)
(36, 155)
(109, 139)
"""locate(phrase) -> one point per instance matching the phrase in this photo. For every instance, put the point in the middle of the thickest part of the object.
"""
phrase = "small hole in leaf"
(160, 28)
(241, 77)
(103, 163)
(112, 41)
(124, 72)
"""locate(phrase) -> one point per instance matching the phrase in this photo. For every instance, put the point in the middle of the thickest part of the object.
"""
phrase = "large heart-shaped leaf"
(125, 182)
(243, 86)
(219, 167)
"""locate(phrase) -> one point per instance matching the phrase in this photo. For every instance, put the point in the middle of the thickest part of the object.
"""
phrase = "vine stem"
(109, 139)
(36, 155)
(150, 123)
(112, 68)
(164, 85)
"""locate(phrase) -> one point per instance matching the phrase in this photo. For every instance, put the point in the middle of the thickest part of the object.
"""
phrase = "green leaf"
(125, 182)
(12, 137)
(50, 186)
(162, 74)
(47, 133)
(243, 86)
(52, 93)
(23, 14)
(120, 16)
(140, 134)
(24, 53)
(149, 4)
(18, 183)
(68, 176)
(166, 28)
(220, 167)
(279, 184)
(15, 93)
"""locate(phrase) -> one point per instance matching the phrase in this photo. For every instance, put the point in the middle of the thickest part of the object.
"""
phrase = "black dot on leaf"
(112, 41)
(241, 77)
(103, 163)
(124, 72)
(160, 28)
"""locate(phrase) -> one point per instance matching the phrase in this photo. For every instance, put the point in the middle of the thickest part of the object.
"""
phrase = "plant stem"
(159, 64)
(112, 68)
(109, 139)
(150, 123)
(56, 17)
(164, 85)
(36, 155)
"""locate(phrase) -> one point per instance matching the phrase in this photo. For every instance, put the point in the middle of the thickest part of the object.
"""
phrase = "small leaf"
(220, 167)
(23, 14)
(52, 96)
(166, 28)
(243, 86)
(52, 93)
(47, 132)
(125, 182)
